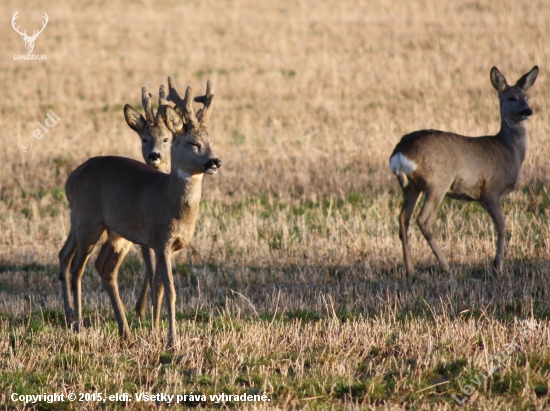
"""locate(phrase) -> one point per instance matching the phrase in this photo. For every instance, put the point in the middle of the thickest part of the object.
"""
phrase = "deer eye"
(166, 140)
(143, 140)
(512, 99)
(196, 145)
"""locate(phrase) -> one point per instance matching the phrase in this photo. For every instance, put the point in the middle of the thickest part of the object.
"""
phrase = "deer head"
(514, 106)
(155, 136)
(29, 40)
(194, 133)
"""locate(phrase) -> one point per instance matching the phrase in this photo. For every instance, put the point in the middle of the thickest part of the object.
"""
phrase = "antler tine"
(209, 89)
(14, 22)
(203, 99)
(190, 117)
(208, 100)
(146, 101)
(174, 96)
(163, 98)
(45, 16)
(163, 101)
(207, 110)
(184, 106)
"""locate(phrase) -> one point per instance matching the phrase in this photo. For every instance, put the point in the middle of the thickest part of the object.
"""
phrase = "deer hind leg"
(432, 199)
(410, 197)
(492, 205)
(108, 262)
(86, 240)
(65, 258)
(148, 259)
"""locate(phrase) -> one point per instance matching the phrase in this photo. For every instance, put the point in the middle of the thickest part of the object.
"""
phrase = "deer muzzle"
(212, 166)
(526, 113)
(154, 159)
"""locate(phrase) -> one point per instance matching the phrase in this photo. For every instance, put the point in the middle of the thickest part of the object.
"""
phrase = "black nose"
(213, 163)
(527, 112)
(154, 156)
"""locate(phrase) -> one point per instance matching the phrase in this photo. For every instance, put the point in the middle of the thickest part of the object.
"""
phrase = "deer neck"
(514, 137)
(185, 192)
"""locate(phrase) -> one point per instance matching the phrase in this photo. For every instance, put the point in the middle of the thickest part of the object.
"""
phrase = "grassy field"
(293, 285)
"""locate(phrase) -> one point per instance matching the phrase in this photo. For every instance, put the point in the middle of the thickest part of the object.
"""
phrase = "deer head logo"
(29, 40)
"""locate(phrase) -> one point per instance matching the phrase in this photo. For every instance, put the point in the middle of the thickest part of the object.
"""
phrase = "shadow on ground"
(305, 292)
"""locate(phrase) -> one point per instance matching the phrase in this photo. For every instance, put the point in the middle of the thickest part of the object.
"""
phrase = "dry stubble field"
(293, 285)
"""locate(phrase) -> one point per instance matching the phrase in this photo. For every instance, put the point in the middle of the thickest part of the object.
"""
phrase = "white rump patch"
(401, 164)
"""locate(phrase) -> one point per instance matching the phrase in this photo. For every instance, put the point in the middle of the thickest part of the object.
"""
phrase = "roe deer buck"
(134, 203)
(482, 169)
(156, 142)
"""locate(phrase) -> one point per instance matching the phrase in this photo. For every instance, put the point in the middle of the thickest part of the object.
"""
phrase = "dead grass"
(293, 284)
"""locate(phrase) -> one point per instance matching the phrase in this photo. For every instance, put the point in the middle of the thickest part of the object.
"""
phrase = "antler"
(13, 21)
(184, 107)
(146, 101)
(174, 96)
(35, 34)
(208, 101)
(163, 101)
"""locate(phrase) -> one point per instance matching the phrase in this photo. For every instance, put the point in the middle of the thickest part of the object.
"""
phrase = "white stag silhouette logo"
(29, 40)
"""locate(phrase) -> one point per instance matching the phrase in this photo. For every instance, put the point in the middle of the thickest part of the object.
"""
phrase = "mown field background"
(293, 285)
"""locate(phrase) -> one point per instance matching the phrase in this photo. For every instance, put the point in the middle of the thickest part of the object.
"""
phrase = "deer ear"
(497, 80)
(527, 80)
(135, 120)
(172, 120)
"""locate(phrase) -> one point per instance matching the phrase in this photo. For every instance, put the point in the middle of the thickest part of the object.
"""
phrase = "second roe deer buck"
(482, 169)
(156, 140)
(134, 203)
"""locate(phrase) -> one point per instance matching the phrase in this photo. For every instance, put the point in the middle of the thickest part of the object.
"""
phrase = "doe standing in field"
(134, 203)
(482, 169)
